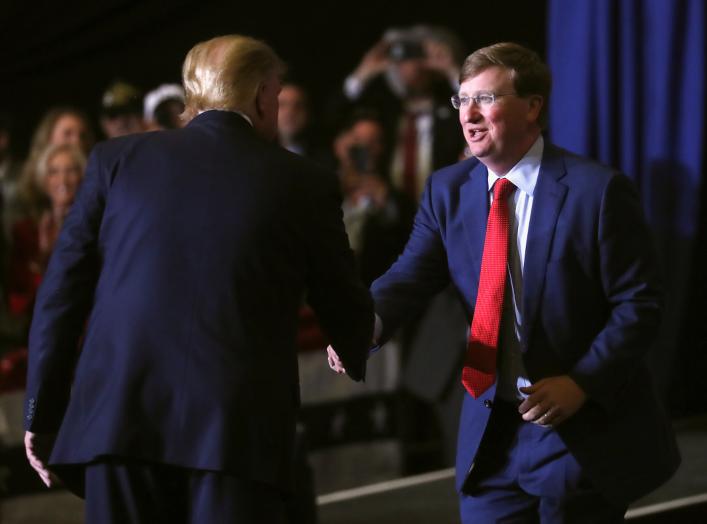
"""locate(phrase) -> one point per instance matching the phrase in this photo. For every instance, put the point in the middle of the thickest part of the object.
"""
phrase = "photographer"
(408, 77)
(406, 57)
(378, 218)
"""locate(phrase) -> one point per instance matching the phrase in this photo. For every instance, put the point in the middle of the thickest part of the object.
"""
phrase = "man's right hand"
(335, 361)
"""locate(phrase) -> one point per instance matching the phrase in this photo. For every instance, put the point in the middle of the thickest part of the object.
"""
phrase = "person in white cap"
(163, 107)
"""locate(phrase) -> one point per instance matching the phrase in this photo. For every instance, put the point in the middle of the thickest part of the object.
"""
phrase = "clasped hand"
(334, 361)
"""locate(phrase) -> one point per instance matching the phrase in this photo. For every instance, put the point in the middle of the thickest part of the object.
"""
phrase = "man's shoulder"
(114, 147)
(578, 167)
(454, 174)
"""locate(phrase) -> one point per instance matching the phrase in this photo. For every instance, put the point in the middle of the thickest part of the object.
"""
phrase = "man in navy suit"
(559, 421)
(184, 262)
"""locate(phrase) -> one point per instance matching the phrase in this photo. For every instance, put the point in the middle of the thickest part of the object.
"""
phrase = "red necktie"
(410, 156)
(480, 364)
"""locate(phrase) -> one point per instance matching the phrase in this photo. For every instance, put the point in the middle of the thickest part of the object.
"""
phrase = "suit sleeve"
(630, 280)
(418, 274)
(335, 291)
(63, 303)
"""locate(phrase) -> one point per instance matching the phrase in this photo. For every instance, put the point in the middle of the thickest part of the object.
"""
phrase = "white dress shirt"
(511, 373)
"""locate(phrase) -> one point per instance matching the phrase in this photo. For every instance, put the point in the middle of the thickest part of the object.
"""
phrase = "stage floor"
(430, 497)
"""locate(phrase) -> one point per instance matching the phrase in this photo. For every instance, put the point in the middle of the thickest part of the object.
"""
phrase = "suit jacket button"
(488, 403)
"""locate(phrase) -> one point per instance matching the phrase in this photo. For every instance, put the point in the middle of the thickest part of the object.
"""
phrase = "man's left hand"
(551, 401)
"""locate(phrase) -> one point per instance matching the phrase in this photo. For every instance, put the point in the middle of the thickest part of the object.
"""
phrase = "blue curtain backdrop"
(629, 90)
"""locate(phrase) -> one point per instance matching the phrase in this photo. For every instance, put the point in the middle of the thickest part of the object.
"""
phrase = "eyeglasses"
(481, 100)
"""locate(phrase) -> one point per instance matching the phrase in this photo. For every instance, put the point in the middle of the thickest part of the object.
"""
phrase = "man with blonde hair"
(186, 257)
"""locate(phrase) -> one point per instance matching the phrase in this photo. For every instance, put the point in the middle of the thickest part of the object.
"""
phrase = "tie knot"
(502, 188)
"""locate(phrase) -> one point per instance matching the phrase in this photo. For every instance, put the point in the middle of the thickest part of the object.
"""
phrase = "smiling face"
(62, 179)
(500, 133)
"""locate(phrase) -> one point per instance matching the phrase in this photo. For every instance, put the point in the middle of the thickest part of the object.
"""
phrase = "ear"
(535, 105)
(260, 100)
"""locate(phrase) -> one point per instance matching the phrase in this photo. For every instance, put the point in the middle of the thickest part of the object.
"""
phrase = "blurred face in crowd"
(369, 135)
(360, 148)
(70, 129)
(499, 133)
(293, 115)
(62, 179)
(414, 75)
(122, 124)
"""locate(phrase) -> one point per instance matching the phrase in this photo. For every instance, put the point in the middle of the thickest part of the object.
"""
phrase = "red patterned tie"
(480, 364)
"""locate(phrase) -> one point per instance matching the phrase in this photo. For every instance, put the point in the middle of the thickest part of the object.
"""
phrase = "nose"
(469, 112)
(73, 139)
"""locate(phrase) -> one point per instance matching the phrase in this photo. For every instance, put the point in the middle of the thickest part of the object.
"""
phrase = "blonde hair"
(226, 72)
(46, 126)
(30, 194)
(49, 153)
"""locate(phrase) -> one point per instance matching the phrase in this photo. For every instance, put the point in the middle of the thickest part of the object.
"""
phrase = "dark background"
(68, 52)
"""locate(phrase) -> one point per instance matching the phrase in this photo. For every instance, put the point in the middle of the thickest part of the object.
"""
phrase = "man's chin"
(476, 151)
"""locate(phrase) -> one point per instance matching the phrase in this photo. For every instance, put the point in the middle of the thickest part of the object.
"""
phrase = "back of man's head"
(225, 73)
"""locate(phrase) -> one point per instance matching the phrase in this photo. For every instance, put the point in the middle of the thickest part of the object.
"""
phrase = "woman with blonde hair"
(59, 172)
(60, 125)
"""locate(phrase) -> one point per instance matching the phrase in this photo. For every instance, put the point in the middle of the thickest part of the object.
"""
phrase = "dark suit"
(192, 250)
(591, 308)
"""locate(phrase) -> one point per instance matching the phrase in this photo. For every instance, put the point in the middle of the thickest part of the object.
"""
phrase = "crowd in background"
(387, 129)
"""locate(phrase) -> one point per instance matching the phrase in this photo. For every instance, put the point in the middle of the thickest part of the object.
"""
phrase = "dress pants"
(523, 473)
(128, 491)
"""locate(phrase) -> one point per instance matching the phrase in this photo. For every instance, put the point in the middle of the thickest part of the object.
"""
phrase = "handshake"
(333, 358)
(334, 361)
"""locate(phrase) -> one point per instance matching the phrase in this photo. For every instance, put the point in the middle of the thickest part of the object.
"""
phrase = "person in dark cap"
(121, 110)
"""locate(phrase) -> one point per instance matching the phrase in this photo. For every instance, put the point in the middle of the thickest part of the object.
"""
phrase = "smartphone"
(360, 158)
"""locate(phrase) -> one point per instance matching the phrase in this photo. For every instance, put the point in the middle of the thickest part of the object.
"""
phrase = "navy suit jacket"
(186, 257)
(591, 308)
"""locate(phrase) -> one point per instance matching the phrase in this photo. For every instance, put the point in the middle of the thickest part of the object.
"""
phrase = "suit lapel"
(548, 198)
(475, 205)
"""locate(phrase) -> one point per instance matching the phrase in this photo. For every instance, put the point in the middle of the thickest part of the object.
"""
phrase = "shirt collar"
(247, 118)
(524, 174)
(250, 121)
